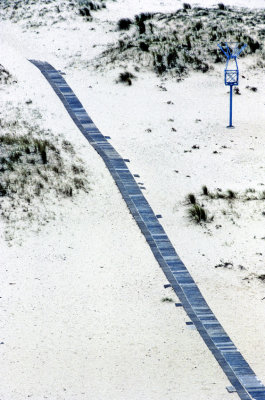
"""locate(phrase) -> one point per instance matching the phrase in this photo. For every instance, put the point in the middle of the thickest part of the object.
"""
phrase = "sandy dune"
(81, 314)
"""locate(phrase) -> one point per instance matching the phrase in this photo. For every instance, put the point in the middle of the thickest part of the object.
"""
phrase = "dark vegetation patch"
(85, 7)
(191, 198)
(186, 6)
(252, 88)
(126, 77)
(223, 264)
(124, 24)
(197, 213)
(185, 40)
(5, 76)
(167, 300)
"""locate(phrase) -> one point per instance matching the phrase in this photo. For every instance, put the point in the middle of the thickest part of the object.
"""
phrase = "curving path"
(238, 371)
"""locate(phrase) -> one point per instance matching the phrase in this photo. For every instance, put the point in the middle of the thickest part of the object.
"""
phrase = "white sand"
(81, 311)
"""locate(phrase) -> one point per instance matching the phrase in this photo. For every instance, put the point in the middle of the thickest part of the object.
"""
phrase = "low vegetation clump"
(5, 76)
(229, 204)
(221, 6)
(124, 24)
(176, 43)
(197, 213)
(205, 190)
(167, 300)
(231, 194)
(126, 77)
(186, 6)
(191, 198)
(36, 170)
(85, 7)
(219, 194)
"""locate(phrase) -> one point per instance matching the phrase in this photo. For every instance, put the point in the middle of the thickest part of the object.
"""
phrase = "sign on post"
(231, 51)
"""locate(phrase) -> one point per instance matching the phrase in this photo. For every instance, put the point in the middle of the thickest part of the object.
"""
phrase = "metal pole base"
(230, 127)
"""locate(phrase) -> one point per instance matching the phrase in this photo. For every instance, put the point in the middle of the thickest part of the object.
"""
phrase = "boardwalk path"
(238, 371)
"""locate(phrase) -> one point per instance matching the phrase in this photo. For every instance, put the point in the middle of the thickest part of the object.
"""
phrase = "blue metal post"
(231, 51)
(231, 108)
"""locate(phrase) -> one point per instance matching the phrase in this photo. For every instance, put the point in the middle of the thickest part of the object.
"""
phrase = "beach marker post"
(231, 72)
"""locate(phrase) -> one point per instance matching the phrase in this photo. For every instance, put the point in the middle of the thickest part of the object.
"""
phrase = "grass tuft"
(5, 76)
(197, 213)
(186, 6)
(167, 300)
(205, 191)
(191, 198)
(231, 194)
(126, 77)
(221, 6)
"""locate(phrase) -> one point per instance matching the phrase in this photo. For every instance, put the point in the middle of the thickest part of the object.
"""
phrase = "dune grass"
(176, 43)
(37, 170)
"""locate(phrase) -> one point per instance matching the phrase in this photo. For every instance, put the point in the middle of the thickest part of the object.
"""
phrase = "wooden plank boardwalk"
(236, 368)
